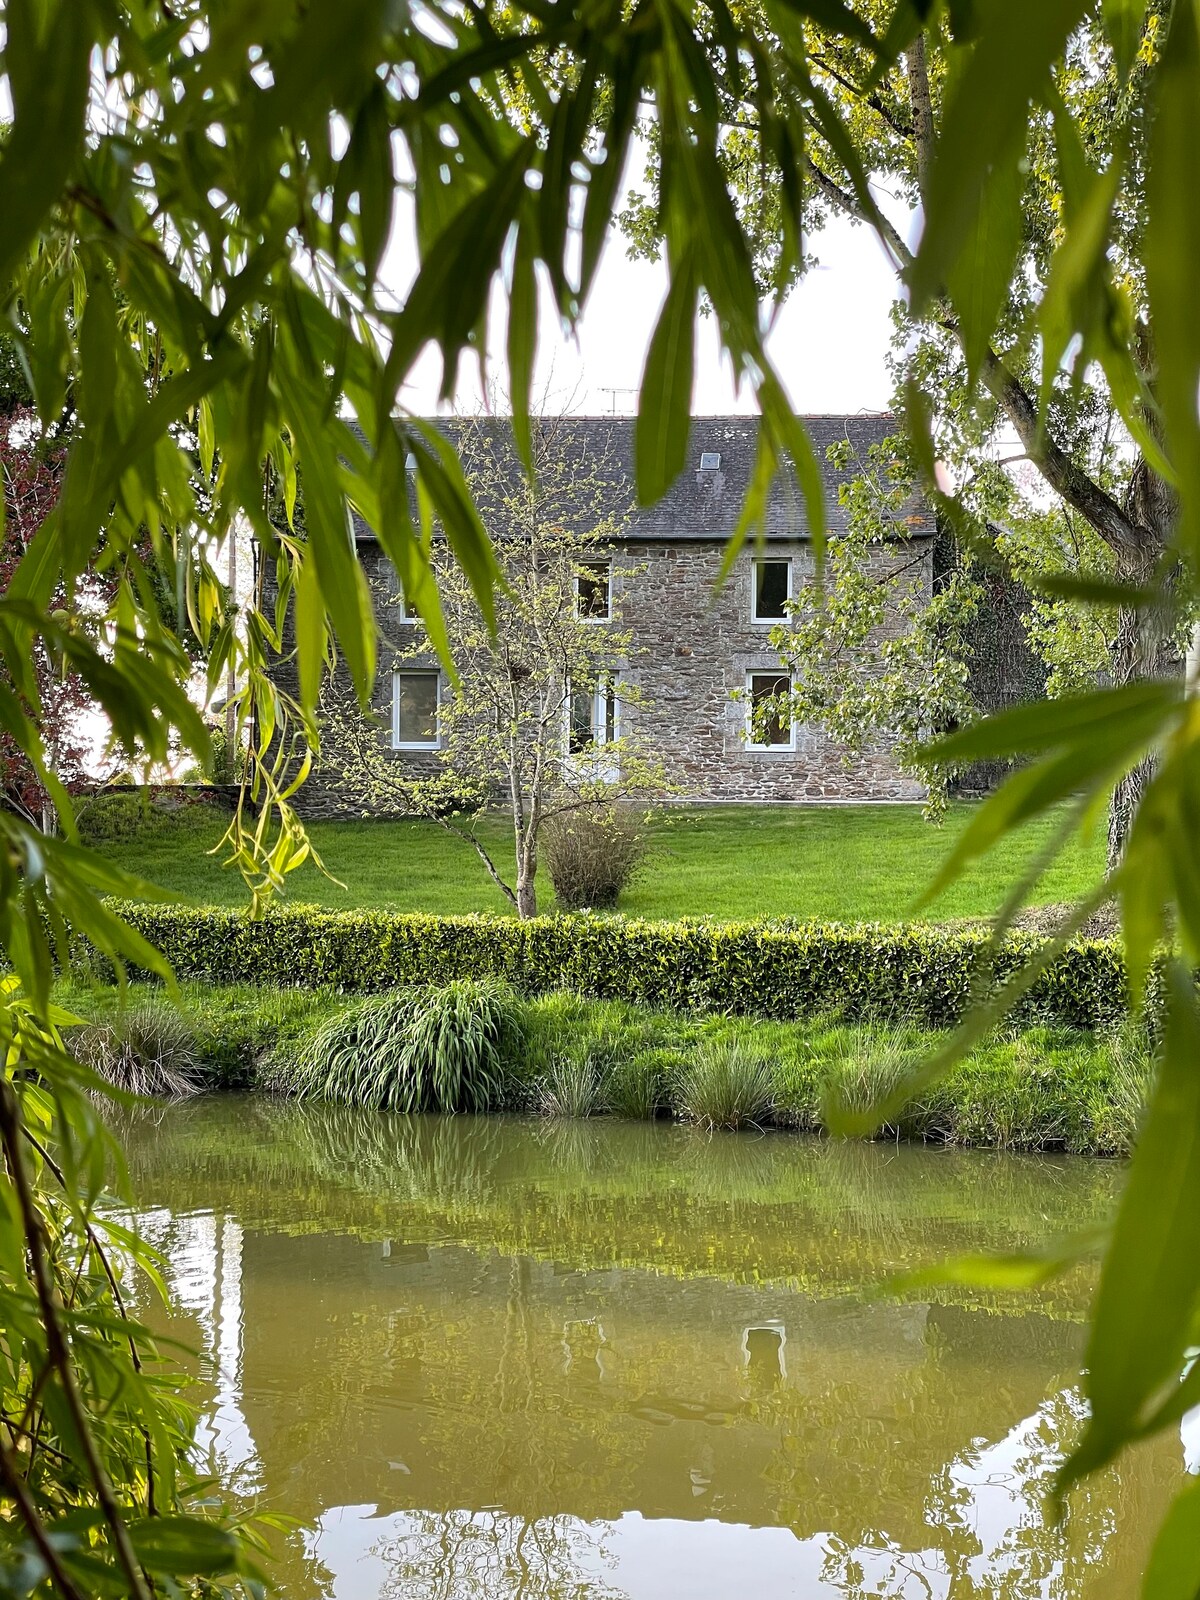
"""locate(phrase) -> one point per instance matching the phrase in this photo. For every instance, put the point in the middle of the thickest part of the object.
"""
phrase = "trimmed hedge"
(926, 974)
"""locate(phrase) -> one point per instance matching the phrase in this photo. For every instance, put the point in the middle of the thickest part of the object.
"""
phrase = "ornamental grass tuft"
(423, 1049)
(147, 1049)
(726, 1085)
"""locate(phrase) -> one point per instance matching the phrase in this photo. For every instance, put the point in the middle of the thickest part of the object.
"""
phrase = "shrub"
(427, 1049)
(726, 1085)
(147, 1049)
(591, 856)
(759, 969)
(108, 818)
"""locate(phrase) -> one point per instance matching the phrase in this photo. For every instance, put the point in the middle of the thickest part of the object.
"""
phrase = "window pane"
(583, 708)
(771, 589)
(593, 591)
(774, 727)
(610, 712)
(416, 707)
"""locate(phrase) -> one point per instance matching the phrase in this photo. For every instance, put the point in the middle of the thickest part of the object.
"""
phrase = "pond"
(498, 1358)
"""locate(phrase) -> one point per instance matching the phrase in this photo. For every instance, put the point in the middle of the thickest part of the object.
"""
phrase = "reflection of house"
(702, 656)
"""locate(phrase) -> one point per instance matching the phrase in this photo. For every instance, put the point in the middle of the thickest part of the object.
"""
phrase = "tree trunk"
(526, 896)
(1144, 645)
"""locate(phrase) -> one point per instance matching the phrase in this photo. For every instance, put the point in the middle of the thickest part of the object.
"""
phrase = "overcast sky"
(830, 341)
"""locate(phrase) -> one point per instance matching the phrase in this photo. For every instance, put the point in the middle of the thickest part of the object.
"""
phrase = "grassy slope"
(867, 863)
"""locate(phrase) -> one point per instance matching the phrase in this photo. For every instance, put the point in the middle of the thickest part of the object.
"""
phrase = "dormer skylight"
(710, 460)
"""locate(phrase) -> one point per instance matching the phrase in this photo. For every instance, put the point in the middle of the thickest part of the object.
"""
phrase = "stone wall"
(693, 647)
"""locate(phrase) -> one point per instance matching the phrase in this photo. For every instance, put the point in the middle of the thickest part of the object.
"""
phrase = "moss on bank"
(1037, 1088)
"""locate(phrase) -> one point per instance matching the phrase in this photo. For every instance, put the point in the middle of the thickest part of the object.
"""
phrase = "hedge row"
(926, 974)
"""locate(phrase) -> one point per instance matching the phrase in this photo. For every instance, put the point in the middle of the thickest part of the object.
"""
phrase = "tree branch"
(1118, 530)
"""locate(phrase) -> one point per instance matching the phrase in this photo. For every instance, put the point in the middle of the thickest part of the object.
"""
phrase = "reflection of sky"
(983, 1511)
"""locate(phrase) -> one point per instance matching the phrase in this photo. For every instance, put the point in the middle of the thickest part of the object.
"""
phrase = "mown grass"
(1041, 1088)
(846, 864)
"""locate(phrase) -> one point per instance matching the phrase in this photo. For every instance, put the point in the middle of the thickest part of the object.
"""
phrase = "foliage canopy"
(196, 198)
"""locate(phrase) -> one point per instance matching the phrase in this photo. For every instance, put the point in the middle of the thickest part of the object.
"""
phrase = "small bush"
(113, 818)
(427, 1049)
(591, 856)
(726, 1085)
(147, 1049)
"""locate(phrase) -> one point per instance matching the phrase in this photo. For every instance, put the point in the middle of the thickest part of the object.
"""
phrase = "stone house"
(701, 654)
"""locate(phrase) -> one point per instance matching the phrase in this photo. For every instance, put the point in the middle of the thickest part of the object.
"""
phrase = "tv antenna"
(615, 392)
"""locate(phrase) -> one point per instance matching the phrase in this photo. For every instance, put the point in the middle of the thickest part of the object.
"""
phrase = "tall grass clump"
(727, 1084)
(857, 1066)
(572, 1086)
(423, 1049)
(147, 1049)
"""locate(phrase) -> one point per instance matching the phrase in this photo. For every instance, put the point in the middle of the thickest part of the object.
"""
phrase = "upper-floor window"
(768, 717)
(593, 591)
(772, 589)
(415, 710)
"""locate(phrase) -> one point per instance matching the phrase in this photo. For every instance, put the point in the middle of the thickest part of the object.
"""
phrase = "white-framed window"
(415, 696)
(772, 577)
(768, 724)
(593, 716)
(593, 592)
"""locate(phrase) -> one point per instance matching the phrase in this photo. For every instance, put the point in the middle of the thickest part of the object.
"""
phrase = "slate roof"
(704, 503)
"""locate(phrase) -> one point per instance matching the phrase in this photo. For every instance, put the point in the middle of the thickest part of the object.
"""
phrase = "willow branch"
(57, 1348)
(15, 1484)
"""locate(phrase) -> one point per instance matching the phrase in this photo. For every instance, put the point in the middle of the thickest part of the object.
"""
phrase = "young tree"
(541, 715)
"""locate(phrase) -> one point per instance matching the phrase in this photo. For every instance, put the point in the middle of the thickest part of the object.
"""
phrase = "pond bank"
(1038, 1087)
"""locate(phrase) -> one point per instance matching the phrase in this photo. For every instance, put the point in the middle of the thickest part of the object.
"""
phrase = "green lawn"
(866, 863)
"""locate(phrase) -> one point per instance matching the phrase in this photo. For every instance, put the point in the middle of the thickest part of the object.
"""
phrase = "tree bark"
(526, 886)
(1144, 645)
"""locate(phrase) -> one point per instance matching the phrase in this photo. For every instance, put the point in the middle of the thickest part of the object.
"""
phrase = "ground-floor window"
(415, 710)
(593, 718)
(768, 719)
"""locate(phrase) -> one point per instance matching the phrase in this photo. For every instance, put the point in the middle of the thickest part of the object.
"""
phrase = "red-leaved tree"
(32, 478)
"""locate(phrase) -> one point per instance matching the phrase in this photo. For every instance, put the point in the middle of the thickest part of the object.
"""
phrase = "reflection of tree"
(817, 1215)
(460, 1555)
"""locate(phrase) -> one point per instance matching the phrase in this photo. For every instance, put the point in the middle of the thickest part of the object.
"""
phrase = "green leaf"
(665, 401)
(1052, 724)
(522, 342)
(1142, 1320)
(983, 129)
(46, 64)
(1173, 1572)
(980, 274)
(185, 1546)
(1172, 249)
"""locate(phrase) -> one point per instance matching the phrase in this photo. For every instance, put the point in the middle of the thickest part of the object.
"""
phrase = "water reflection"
(496, 1359)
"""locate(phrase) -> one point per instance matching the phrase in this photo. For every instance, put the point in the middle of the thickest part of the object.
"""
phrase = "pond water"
(498, 1358)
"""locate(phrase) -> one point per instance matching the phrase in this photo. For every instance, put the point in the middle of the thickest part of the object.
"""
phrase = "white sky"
(829, 343)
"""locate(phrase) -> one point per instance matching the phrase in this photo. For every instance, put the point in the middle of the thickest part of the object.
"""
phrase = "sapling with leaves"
(539, 713)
